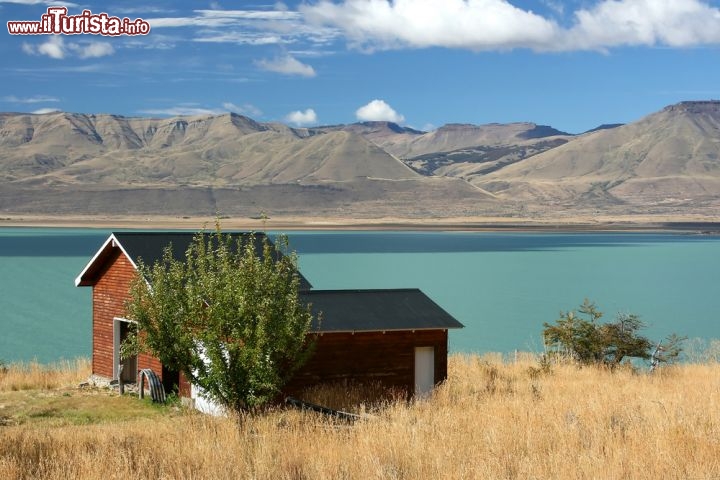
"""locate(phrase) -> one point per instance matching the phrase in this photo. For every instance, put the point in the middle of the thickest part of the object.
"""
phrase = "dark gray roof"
(376, 310)
(342, 310)
(149, 247)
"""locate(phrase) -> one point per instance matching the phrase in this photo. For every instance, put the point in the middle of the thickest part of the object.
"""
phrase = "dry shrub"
(700, 350)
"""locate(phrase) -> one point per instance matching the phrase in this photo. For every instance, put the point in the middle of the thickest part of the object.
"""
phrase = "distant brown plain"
(683, 222)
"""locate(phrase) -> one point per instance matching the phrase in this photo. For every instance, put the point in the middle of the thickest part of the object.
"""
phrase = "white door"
(424, 370)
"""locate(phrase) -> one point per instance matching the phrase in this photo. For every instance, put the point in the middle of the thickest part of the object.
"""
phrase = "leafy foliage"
(228, 318)
(580, 335)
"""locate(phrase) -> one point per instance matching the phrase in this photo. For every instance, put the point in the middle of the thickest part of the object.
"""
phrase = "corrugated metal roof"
(376, 310)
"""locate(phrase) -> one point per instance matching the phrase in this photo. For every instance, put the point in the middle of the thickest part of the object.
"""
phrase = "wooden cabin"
(397, 337)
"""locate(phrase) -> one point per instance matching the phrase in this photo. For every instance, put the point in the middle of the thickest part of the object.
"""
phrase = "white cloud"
(377, 111)
(244, 38)
(191, 108)
(28, 49)
(141, 10)
(251, 27)
(56, 47)
(94, 49)
(472, 24)
(312, 53)
(182, 110)
(220, 18)
(53, 48)
(92, 68)
(499, 25)
(41, 111)
(287, 65)
(244, 109)
(155, 41)
(33, 99)
(300, 118)
(555, 6)
(678, 23)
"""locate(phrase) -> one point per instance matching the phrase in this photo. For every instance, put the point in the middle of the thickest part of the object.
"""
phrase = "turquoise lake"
(502, 286)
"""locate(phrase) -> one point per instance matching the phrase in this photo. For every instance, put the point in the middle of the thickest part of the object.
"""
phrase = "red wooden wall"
(109, 294)
(387, 358)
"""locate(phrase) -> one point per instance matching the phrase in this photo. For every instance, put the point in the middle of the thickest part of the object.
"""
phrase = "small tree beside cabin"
(228, 317)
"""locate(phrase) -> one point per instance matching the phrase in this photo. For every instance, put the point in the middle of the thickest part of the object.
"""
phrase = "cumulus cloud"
(499, 25)
(53, 48)
(56, 47)
(376, 111)
(679, 23)
(300, 118)
(472, 24)
(287, 65)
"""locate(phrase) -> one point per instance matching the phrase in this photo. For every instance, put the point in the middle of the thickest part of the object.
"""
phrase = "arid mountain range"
(62, 163)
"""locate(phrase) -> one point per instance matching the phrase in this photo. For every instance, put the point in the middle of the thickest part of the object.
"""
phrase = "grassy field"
(491, 419)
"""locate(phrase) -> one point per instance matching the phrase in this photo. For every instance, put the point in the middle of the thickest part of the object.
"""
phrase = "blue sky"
(422, 63)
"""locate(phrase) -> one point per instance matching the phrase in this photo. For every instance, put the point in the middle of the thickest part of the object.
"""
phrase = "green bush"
(581, 336)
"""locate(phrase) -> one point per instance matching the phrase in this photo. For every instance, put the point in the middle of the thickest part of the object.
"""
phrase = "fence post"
(121, 385)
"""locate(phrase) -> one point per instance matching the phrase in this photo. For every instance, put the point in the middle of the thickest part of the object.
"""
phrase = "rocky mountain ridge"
(671, 157)
(64, 162)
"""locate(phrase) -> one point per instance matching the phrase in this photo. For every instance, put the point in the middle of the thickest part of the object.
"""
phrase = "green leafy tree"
(580, 335)
(230, 319)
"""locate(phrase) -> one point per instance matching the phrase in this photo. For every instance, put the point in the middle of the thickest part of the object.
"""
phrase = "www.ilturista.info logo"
(57, 21)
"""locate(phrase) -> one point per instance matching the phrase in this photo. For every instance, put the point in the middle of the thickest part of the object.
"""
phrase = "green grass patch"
(81, 406)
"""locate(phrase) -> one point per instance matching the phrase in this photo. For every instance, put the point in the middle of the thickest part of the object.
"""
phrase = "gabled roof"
(376, 310)
(340, 310)
(149, 247)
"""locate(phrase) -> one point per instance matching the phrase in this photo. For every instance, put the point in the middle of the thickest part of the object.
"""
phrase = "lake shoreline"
(681, 224)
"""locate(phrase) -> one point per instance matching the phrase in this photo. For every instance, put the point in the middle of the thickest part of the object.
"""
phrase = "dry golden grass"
(491, 419)
(33, 375)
